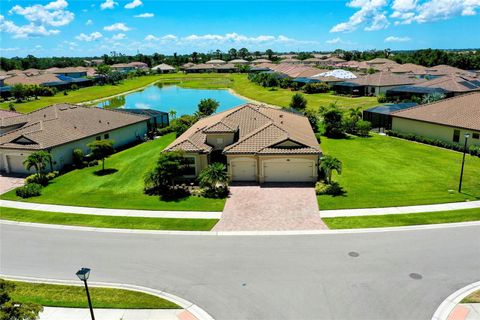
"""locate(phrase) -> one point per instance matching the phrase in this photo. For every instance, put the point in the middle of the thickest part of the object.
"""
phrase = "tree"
(298, 102)
(11, 107)
(269, 53)
(312, 117)
(362, 128)
(103, 70)
(243, 53)
(207, 107)
(173, 114)
(194, 57)
(13, 310)
(19, 91)
(333, 122)
(214, 176)
(170, 166)
(328, 164)
(232, 53)
(101, 149)
(355, 113)
(37, 160)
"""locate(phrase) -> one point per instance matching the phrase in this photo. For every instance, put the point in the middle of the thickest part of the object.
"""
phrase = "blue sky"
(87, 28)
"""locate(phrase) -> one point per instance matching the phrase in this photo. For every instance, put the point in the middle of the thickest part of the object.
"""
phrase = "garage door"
(243, 169)
(288, 171)
(15, 164)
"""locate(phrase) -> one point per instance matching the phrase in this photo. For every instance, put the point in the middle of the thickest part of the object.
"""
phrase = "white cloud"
(119, 26)
(368, 10)
(25, 31)
(108, 4)
(404, 5)
(51, 14)
(235, 38)
(133, 4)
(144, 15)
(9, 49)
(397, 39)
(119, 36)
(89, 22)
(89, 37)
(334, 41)
(151, 37)
(445, 9)
(169, 37)
(379, 22)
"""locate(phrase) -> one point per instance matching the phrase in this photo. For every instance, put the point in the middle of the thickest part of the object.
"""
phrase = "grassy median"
(97, 221)
(399, 220)
(53, 295)
(472, 298)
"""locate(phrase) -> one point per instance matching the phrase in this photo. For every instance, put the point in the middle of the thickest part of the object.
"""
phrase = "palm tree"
(356, 113)
(172, 113)
(328, 164)
(37, 160)
(213, 176)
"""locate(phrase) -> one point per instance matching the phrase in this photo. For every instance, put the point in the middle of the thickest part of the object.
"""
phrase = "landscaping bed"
(472, 298)
(381, 171)
(54, 295)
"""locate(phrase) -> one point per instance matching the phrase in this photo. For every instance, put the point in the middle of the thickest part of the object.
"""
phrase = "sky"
(92, 28)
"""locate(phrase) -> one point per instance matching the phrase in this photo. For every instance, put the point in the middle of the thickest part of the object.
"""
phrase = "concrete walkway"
(465, 311)
(50, 313)
(110, 212)
(400, 210)
(9, 182)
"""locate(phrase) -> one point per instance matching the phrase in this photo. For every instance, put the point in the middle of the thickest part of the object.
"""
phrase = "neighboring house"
(332, 61)
(258, 61)
(225, 68)
(447, 120)
(128, 67)
(215, 62)
(158, 119)
(164, 68)
(238, 61)
(58, 81)
(380, 116)
(199, 68)
(374, 84)
(258, 143)
(72, 72)
(314, 61)
(292, 61)
(61, 128)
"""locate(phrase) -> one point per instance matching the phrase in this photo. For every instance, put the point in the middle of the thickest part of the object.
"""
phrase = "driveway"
(271, 207)
(9, 182)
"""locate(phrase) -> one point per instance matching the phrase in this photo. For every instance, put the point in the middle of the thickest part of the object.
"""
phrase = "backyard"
(381, 171)
(122, 189)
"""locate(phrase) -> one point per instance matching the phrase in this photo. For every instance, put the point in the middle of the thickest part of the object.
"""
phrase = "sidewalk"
(465, 311)
(110, 212)
(50, 313)
(400, 210)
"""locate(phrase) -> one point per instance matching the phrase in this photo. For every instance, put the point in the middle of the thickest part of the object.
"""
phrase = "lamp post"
(467, 135)
(83, 275)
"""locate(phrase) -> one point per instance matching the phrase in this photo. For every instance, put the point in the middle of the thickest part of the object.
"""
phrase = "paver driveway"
(271, 207)
(9, 182)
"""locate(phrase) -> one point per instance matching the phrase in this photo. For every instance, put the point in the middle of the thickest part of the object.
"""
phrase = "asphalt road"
(264, 277)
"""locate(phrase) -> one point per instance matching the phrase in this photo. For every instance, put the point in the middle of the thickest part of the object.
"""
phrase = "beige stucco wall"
(201, 162)
(226, 137)
(63, 154)
(430, 130)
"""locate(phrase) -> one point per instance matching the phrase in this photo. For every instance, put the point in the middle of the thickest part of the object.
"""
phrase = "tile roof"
(260, 129)
(453, 83)
(36, 79)
(62, 123)
(461, 112)
(384, 78)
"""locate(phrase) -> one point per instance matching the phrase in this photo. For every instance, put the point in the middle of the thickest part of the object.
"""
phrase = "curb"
(242, 233)
(447, 306)
(195, 310)
(110, 212)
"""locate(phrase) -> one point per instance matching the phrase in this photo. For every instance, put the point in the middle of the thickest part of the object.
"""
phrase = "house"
(61, 128)
(374, 84)
(128, 67)
(292, 61)
(72, 72)
(164, 68)
(215, 62)
(332, 61)
(447, 120)
(380, 116)
(238, 61)
(258, 61)
(200, 68)
(157, 119)
(257, 142)
(58, 81)
(313, 61)
(225, 68)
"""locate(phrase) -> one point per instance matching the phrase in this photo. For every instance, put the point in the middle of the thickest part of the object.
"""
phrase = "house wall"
(430, 130)
(63, 154)
(213, 139)
(201, 162)
(379, 90)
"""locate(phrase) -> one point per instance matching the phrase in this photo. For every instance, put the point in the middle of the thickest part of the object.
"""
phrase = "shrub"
(318, 135)
(73, 87)
(474, 150)
(320, 87)
(381, 98)
(29, 190)
(78, 157)
(52, 175)
(333, 122)
(333, 189)
(298, 102)
(93, 163)
(362, 128)
(313, 118)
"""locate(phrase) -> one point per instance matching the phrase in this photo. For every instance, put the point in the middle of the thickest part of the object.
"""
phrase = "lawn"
(381, 171)
(398, 220)
(55, 295)
(122, 189)
(84, 94)
(97, 221)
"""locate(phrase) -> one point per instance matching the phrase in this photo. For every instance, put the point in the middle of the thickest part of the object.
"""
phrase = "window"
(106, 136)
(456, 135)
(476, 135)
(98, 138)
(190, 167)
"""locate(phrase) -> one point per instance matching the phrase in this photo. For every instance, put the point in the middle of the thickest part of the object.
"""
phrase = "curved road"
(264, 277)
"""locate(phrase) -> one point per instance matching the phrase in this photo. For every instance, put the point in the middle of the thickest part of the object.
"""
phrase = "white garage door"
(289, 171)
(243, 169)
(15, 164)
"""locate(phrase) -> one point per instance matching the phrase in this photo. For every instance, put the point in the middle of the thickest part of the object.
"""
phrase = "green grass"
(54, 295)
(472, 298)
(97, 221)
(397, 220)
(382, 171)
(84, 94)
(122, 189)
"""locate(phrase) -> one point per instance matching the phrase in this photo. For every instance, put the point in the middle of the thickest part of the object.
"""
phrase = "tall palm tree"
(214, 176)
(328, 164)
(173, 114)
(355, 113)
(37, 160)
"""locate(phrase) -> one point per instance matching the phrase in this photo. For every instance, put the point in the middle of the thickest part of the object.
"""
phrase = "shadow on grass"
(105, 172)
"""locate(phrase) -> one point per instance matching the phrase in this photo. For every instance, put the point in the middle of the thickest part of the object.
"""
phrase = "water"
(171, 97)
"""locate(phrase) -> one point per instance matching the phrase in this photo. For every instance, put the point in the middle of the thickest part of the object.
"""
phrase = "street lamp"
(83, 275)
(467, 135)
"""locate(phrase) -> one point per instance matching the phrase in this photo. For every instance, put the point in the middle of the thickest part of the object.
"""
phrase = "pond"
(172, 97)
